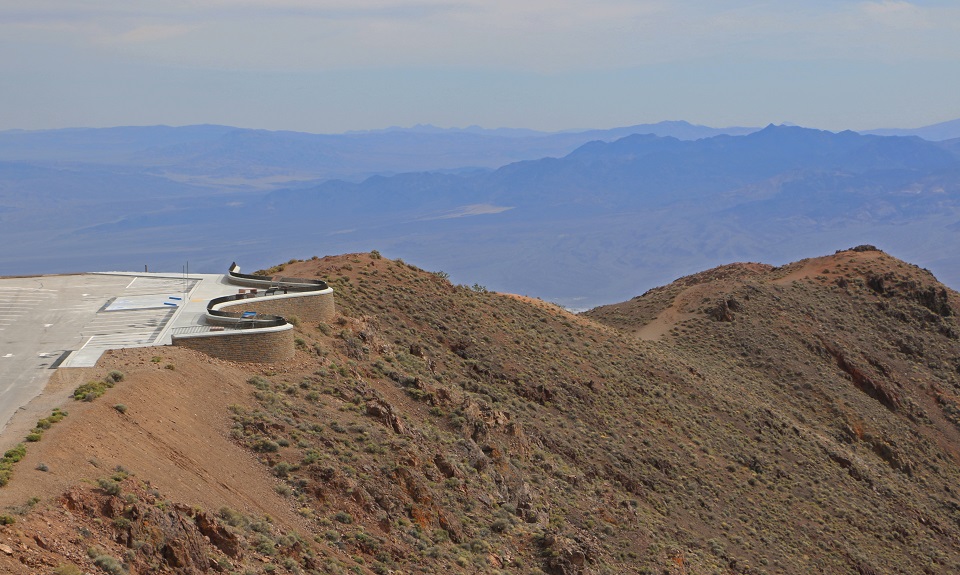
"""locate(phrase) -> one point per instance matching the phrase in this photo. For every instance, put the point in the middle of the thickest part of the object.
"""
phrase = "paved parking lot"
(69, 320)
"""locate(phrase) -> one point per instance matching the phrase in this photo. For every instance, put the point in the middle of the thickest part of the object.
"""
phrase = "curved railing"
(254, 320)
(296, 284)
(240, 319)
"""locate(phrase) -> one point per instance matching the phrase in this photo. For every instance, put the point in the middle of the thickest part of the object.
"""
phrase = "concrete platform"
(62, 321)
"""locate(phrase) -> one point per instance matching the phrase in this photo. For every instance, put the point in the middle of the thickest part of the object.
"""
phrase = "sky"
(337, 65)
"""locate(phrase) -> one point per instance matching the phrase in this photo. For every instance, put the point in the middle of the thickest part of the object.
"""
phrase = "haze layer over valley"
(606, 215)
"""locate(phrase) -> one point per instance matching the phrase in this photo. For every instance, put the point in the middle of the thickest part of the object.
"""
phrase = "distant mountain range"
(936, 132)
(637, 211)
(259, 159)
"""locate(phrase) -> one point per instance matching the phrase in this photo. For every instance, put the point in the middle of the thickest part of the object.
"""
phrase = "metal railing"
(253, 320)
(286, 283)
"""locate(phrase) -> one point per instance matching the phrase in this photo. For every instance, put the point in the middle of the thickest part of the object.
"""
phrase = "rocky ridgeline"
(790, 419)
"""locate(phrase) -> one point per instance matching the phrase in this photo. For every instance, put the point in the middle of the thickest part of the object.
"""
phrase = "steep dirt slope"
(788, 420)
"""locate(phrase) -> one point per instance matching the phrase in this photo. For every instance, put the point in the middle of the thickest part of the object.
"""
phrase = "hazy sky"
(335, 65)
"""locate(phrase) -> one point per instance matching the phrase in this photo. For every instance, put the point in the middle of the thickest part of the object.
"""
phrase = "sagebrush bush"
(109, 564)
(109, 486)
(92, 390)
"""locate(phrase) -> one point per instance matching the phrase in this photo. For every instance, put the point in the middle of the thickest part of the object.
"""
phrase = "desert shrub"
(7, 520)
(109, 564)
(109, 486)
(120, 407)
(265, 445)
(343, 517)
(67, 569)
(232, 517)
(115, 376)
(259, 382)
(15, 454)
(265, 545)
(91, 390)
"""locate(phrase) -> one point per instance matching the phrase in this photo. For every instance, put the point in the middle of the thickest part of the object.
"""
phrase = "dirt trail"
(678, 311)
(662, 324)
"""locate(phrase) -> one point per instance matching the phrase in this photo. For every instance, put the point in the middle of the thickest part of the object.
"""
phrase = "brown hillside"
(786, 420)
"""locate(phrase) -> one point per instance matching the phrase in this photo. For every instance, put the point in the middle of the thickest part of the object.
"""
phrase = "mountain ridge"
(639, 211)
(789, 419)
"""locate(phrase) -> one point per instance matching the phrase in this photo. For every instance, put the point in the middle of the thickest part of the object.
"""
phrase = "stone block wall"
(310, 308)
(249, 346)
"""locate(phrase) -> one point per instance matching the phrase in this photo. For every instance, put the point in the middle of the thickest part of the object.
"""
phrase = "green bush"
(114, 376)
(264, 445)
(109, 564)
(67, 569)
(120, 407)
(121, 523)
(15, 454)
(259, 382)
(232, 517)
(343, 517)
(109, 486)
(91, 390)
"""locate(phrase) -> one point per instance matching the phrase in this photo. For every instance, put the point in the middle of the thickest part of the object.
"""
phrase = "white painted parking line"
(65, 318)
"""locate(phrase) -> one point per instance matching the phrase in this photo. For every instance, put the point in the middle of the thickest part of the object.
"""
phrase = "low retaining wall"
(268, 337)
(309, 307)
(265, 345)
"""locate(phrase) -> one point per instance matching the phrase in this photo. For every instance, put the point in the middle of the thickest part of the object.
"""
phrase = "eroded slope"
(790, 420)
